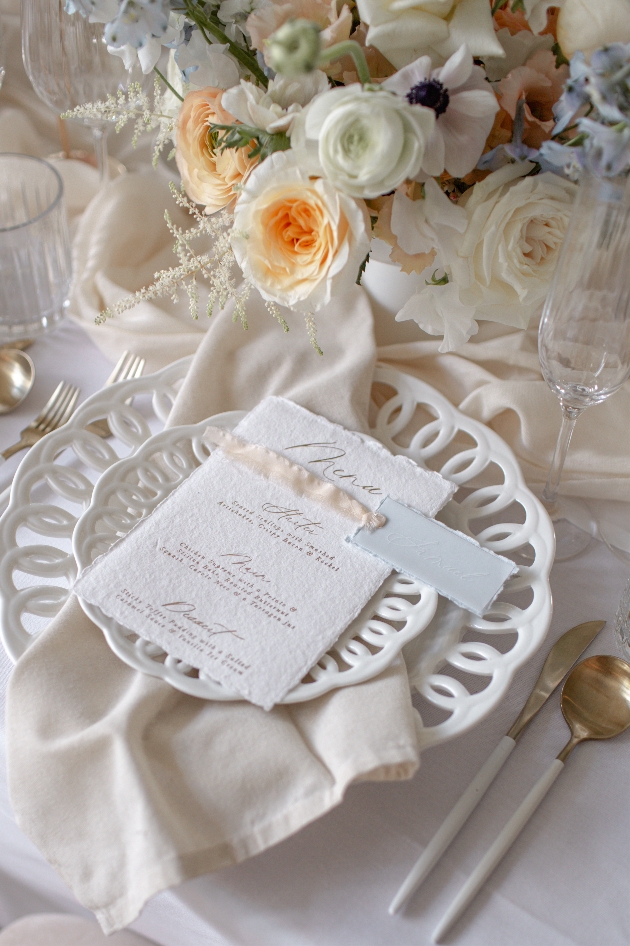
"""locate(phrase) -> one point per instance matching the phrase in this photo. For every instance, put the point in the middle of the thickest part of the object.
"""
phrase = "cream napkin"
(128, 786)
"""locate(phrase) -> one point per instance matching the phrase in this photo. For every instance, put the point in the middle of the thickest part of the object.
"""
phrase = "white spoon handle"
(498, 849)
(453, 822)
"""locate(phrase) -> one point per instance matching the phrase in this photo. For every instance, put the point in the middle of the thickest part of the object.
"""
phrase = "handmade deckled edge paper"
(218, 489)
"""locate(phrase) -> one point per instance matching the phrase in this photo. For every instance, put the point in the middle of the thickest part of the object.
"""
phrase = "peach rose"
(269, 17)
(540, 84)
(209, 177)
(298, 240)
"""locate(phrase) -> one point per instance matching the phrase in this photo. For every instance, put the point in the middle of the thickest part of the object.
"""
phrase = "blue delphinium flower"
(515, 150)
(575, 95)
(606, 149)
(137, 21)
(98, 11)
(609, 85)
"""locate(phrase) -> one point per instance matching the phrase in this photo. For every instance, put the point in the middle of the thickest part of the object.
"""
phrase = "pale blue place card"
(452, 563)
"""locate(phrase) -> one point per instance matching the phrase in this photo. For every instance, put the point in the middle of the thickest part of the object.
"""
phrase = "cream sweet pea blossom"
(403, 30)
(365, 142)
(275, 108)
(297, 240)
(464, 106)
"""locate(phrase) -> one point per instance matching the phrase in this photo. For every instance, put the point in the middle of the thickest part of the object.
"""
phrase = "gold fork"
(54, 415)
(128, 366)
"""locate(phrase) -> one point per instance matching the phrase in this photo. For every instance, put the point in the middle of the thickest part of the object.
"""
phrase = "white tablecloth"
(564, 883)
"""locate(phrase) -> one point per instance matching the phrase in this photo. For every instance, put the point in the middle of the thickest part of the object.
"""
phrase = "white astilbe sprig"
(132, 104)
(216, 265)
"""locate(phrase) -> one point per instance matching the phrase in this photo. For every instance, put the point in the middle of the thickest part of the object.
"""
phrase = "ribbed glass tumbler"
(35, 261)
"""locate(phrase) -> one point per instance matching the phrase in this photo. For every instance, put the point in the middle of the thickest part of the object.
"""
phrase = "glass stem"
(569, 418)
(99, 135)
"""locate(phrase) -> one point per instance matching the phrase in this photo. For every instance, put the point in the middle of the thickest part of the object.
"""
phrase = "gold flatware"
(55, 414)
(19, 343)
(596, 705)
(17, 373)
(560, 659)
(128, 366)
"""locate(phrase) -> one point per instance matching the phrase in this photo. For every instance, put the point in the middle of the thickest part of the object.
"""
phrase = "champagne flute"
(584, 335)
(67, 62)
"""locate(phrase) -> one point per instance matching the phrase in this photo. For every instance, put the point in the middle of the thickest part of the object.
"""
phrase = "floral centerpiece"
(305, 129)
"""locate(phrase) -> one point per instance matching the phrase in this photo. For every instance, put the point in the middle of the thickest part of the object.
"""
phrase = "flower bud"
(294, 48)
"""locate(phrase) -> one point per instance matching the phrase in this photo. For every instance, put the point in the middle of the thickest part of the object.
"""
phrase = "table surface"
(563, 883)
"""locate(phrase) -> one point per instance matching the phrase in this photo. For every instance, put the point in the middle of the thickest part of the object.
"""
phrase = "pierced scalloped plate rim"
(141, 654)
(431, 653)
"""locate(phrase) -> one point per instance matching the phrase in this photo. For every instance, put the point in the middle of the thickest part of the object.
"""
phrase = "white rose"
(298, 241)
(589, 24)
(365, 142)
(403, 30)
(275, 108)
(505, 259)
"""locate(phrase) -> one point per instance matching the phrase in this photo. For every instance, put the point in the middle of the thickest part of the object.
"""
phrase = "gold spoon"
(17, 373)
(596, 705)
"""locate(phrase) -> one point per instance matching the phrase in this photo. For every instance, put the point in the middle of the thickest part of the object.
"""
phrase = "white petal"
(457, 69)
(472, 24)
(410, 75)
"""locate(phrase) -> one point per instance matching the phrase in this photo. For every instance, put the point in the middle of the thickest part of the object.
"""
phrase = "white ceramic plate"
(131, 489)
(460, 665)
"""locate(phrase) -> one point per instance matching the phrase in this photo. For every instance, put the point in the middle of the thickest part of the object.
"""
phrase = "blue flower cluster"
(601, 91)
(129, 22)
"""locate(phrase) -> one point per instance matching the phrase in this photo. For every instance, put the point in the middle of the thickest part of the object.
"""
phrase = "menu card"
(239, 577)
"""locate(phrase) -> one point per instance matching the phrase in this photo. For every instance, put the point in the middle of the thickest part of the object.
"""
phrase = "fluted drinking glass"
(68, 64)
(35, 262)
(584, 336)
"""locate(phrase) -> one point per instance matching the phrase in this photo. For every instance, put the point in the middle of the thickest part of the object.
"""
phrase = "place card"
(451, 562)
(237, 576)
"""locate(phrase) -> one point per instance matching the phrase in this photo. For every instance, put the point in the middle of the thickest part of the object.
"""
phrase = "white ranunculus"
(589, 24)
(365, 142)
(507, 255)
(298, 241)
(275, 108)
(403, 30)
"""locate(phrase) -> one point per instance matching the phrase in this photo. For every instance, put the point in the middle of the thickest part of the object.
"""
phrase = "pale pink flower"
(270, 16)
(464, 106)
(540, 84)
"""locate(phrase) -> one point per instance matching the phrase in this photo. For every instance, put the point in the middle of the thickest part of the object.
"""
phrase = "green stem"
(206, 24)
(578, 140)
(167, 84)
(348, 47)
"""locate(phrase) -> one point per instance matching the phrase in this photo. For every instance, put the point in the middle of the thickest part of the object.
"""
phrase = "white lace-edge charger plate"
(461, 665)
(132, 489)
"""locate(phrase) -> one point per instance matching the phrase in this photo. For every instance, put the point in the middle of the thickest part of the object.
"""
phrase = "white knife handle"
(498, 849)
(453, 822)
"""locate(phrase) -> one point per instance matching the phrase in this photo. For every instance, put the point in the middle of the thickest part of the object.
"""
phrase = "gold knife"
(559, 661)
